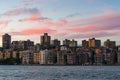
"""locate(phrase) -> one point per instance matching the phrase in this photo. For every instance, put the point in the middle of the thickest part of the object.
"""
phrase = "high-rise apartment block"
(73, 43)
(66, 42)
(22, 45)
(6, 41)
(94, 43)
(55, 42)
(85, 44)
(109, 44)
(45, 40)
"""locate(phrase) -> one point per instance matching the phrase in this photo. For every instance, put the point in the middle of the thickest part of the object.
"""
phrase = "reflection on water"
(59, 72)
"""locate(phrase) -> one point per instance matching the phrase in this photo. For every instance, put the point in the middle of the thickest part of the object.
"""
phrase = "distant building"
(29, 45)
(15, 54)
(94, 43)
(7, 54)
(55, 42)
(108, 58)
(109, 44)
(71, 58)
(22, 45)
(20, 53)
(36, 57)
(27, 57)
(1, 48)
(73, 43)
(62, 48)
(66, 42)
(1, 55)
(45, 40)
(43, 56)
(14, 45)
(37, 47)
(98, 56)
(113, 56)
(85, 44)
(61, 57)
(6, 41)
(118, 55)
(52, 57)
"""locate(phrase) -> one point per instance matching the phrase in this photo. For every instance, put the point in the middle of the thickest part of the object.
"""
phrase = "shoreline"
(54, 65)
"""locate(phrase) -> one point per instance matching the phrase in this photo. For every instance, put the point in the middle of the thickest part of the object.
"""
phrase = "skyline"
(62, 19)
(7, 38)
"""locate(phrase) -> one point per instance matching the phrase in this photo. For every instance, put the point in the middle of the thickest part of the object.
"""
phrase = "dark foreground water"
(59, 72)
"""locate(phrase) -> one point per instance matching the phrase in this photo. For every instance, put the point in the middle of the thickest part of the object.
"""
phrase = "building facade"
(55, 42)
(43, 56)
(61, 57)
(27, 57)
(66, 42)
(45, 40)
(94, 43)
(6, 41)
(73, 43)
(85, 44)
(22, 45)
(109, 44)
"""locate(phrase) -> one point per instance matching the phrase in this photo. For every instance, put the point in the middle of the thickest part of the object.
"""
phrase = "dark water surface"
(8, 72)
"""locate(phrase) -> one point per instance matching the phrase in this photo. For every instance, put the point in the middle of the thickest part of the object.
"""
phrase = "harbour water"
(12, 72)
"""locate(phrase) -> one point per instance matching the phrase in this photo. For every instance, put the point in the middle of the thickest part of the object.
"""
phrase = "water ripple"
(59, 72)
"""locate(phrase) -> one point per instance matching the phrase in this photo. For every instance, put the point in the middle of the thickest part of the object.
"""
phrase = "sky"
(61, 19)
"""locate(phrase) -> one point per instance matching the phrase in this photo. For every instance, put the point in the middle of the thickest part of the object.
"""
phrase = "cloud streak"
(20, 11)
(34, 31)
(4, 23)
(102, 24)
(106, 24)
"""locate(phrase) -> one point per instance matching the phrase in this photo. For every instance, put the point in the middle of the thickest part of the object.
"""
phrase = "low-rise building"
(94, 43)
(43, 56)
(118, 58)
(71, 58)
(66, 42)
(7, 54)
(1, 55)
(118, 55)
(52, 57)
(27, 57)
(98, 56)
(109, 44)
(55, 42)
(15, 54)
(36, 57)
(61, 57)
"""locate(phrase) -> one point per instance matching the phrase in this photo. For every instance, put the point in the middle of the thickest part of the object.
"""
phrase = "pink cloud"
(34, 31)
(106, 21)
(4, 23)
(92, 34)
(37, 31)
(44, 20)
(57, 24)
(93, 28)
(101, 25)
(32, 17)
(97, 26)
(20, 11)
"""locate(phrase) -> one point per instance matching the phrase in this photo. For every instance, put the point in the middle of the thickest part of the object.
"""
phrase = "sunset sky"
(71, 19)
